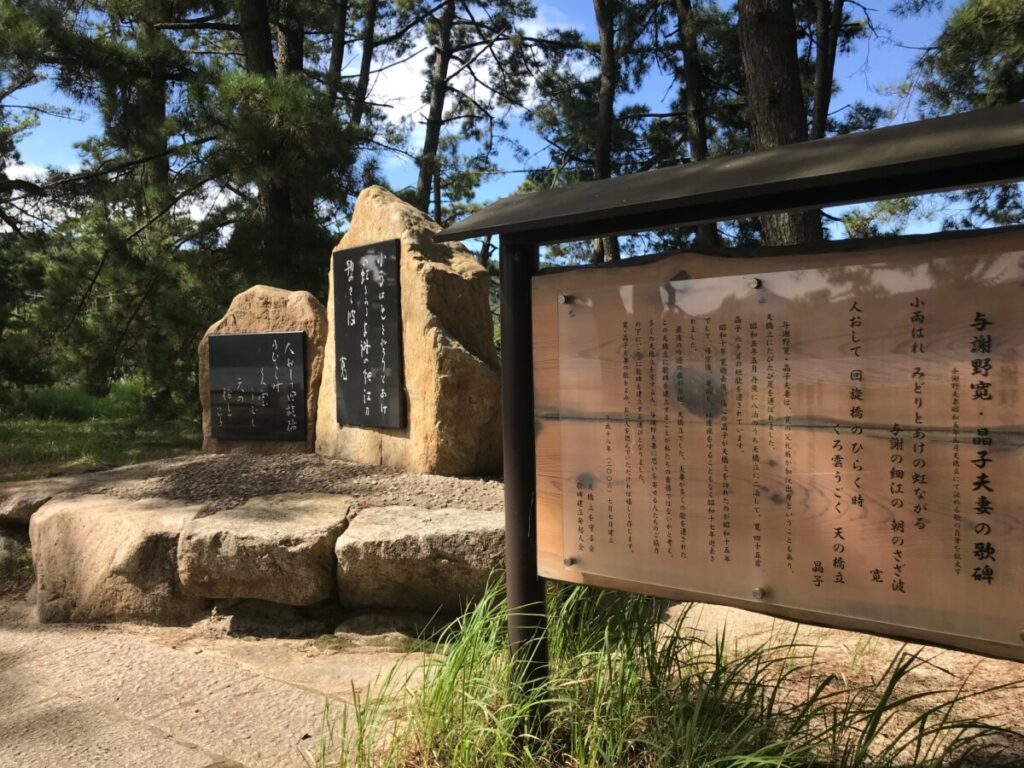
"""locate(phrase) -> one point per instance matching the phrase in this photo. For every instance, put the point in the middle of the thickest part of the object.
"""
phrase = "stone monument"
(451, 368)
(263, 309)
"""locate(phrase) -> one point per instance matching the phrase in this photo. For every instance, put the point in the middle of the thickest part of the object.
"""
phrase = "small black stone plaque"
(370, 385)
(258, 386)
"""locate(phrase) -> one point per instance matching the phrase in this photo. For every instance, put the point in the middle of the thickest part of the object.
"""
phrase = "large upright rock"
(451, 367)
(101, 558)
(263, 309)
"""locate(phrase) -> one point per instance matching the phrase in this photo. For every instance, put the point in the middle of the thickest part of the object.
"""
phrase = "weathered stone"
(263, 309)
(15, 561)
(20, 500)
(409, 558)
(276, 548)
(100, 558)
(409, 623)
(450, 364)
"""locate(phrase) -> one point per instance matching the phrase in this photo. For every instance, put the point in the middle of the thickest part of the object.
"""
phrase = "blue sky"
(871, 73)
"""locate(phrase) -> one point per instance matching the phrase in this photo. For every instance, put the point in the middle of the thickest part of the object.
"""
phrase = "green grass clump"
(70, 402)
(626, 690)
(48, 429)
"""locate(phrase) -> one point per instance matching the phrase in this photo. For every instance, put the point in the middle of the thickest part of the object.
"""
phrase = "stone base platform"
(158, 542)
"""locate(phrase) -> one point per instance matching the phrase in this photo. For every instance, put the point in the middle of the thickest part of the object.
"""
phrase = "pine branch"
(29, 188)
(198, 24)
(399, 34)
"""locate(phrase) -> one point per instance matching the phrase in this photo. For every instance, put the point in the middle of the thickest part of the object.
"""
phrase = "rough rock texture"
(15, 561)
(262, 309)
(409, 558)
(277, 548)
(451, 367)
(100, 558)
(20, 500)
(222, 481)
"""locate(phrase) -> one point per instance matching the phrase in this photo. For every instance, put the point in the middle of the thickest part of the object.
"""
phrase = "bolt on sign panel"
(838, 443)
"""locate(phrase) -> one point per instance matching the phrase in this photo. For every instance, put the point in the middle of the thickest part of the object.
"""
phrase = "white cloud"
(400, 86)
(552, 17)
(25, 171)
(207, 200)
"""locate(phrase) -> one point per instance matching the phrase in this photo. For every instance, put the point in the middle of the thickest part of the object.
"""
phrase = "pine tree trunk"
(257, 43)
(254, 30)
(337, 52)
(365, 64)
(828, 25)
(775, 104)
(604, 14)
(290, 43)
(695, 85)
(435, 115)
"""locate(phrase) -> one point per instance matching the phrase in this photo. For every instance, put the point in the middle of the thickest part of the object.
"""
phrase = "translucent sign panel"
(846, 441)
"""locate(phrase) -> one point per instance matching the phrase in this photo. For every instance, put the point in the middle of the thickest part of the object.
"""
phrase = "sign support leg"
(527, 618)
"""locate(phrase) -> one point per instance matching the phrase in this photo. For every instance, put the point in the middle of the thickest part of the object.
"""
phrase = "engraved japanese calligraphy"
(258, 386)
(840, 441)
(368, 338)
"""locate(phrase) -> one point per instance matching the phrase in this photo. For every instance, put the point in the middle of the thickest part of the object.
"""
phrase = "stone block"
(407, 558)
(276, 548)
(101, 558)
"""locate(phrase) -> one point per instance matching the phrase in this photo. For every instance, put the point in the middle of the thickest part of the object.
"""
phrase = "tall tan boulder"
(451, 371)
(263, 309)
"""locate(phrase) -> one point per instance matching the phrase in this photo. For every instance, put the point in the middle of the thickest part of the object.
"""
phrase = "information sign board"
(838, 443)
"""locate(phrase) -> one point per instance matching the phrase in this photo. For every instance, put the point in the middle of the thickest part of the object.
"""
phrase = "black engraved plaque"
(258, 386)
(368, 336)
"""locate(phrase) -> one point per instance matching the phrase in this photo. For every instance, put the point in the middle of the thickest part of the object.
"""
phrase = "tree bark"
(148, 129)
(337, 52)
(437, 194)
(366, 63)
(435, 115)
(605, 12)
(828, 25)
(291, 38)
(775, 105)
(257, 43)
(695, 87)
(254, 29)
(152, 111)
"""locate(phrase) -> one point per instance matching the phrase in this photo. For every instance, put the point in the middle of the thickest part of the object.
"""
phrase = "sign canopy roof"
(970, 149)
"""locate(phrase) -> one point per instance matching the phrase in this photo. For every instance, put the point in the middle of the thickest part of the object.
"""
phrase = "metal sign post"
(527, 617)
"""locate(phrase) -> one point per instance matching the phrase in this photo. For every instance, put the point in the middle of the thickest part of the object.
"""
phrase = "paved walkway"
(121, 695)
(89, 696)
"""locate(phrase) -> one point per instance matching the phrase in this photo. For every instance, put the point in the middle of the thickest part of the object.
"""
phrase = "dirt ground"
(219, 693)
(229, 691)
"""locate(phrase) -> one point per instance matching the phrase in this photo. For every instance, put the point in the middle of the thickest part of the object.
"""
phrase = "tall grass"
(626, 690)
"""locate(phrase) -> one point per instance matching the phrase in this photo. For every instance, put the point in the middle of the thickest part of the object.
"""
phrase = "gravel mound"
(227, 480)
